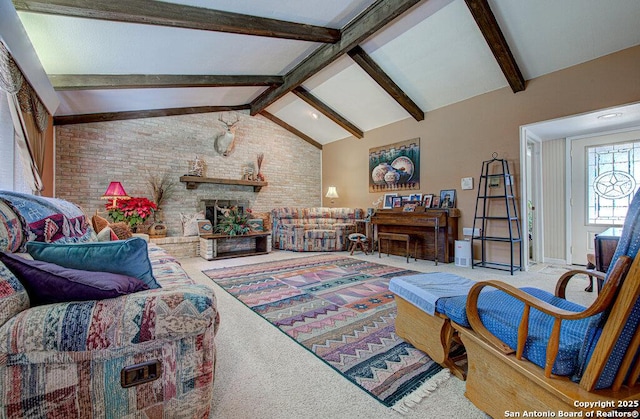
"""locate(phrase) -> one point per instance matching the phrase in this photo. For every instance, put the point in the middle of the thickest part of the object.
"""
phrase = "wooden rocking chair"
(500, 380)
(532, 351)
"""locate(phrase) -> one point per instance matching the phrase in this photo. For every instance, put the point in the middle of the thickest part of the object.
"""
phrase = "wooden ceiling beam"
(291, 129)
(374, 71)
(374, 18)
(145, 81)
(151, 113)
(305, 95)
(180, 16)
(486, 21)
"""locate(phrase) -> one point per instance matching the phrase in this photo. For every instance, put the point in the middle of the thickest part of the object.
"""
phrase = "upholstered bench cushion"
(319, 234)
(357, 236)
(423, 290)
(501, 314)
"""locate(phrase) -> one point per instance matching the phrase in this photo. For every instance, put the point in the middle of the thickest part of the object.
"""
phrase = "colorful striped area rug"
(340, 309)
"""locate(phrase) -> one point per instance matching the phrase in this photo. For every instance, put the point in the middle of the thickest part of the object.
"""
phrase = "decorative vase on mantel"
(260, 176)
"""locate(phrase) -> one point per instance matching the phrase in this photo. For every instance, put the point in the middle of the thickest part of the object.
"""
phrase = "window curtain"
(30, 118)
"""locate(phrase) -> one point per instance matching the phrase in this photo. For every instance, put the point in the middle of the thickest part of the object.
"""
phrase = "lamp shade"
(332, 192)
(114, 192)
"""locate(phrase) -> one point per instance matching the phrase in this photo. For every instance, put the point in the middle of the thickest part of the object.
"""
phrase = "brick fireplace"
(213, 208)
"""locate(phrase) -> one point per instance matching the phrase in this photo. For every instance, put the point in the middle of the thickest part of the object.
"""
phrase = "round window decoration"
(614, 185)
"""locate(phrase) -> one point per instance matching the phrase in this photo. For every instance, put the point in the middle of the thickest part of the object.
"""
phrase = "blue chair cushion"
(501, 314)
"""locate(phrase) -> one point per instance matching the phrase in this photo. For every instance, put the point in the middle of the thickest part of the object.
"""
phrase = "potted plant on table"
(233, 222)
(133, 211)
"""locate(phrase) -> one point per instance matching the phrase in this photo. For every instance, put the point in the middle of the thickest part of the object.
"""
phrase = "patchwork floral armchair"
(143, 354)
(313, 229)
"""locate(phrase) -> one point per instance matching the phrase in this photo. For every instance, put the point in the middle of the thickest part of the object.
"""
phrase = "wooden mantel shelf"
(193, 181)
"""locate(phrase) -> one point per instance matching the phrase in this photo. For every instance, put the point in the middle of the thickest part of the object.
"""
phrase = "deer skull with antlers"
(224, 142)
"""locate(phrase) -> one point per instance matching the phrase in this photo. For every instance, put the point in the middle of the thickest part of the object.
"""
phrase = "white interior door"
(604, 174)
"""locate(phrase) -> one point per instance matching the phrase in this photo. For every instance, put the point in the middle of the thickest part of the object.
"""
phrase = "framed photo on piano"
(448, 198)
(388, 200)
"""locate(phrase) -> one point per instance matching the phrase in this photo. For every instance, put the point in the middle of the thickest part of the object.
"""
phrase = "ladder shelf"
(496, 215)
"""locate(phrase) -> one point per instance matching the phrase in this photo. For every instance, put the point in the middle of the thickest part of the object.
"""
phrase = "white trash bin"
(463, 253)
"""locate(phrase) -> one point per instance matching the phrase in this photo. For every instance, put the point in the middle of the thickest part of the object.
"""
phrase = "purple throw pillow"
(48, 283)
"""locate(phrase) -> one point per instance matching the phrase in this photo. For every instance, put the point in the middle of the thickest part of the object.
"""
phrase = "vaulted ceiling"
(322, 69)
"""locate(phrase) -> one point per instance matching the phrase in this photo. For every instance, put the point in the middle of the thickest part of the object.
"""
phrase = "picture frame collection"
(409, 203)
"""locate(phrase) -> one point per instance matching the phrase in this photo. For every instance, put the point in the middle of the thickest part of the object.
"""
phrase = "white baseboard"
(555, 261)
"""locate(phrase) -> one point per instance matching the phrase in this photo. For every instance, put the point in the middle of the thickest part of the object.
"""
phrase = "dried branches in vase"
(161, 187)
(260, 158)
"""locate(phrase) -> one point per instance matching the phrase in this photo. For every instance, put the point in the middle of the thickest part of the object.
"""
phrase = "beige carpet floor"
(261, 373)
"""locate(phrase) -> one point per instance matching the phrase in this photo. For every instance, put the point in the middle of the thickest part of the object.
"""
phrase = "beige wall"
(457, 138)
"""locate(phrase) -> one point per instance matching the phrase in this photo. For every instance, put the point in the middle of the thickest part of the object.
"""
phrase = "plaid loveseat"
(313, 229)
(68, 359)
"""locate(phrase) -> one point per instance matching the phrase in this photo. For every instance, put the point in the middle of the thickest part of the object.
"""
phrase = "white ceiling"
(435, 53)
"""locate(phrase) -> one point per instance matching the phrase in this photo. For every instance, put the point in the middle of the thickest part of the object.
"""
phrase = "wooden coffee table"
(234, 246)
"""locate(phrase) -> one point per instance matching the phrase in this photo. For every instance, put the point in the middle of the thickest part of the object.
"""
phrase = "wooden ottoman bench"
(420, 324)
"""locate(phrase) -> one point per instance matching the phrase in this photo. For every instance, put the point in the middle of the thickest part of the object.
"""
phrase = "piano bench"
(398, 237)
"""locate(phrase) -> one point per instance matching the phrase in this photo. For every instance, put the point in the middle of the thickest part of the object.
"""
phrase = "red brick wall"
(89, 156)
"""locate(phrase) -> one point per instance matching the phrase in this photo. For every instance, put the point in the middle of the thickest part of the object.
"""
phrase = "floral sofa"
(145, 354)
(313, 229)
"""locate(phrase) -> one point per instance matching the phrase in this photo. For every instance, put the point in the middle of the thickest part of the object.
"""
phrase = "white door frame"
(527, 136)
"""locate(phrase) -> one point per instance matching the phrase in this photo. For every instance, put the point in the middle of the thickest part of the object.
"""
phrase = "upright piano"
(419, 225)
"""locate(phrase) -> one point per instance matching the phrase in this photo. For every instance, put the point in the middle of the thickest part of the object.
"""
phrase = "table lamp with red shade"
(114, 192)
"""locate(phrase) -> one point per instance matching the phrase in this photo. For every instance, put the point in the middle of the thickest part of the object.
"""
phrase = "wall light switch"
(466, 183)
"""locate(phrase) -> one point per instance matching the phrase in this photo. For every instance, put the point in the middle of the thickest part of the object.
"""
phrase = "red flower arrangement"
(132, 211)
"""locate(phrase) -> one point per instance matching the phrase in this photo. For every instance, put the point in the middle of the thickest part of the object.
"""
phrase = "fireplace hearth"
(213, 207)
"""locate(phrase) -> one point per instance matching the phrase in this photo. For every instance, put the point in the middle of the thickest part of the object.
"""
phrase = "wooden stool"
(398, 237)
(358, 240)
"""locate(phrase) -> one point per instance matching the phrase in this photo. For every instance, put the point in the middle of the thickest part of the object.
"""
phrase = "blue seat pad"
(501, 314)
(423, 290)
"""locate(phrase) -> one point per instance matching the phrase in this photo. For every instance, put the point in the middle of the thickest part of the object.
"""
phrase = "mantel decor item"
(196, 167)
(259, 161)
(395, 167)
